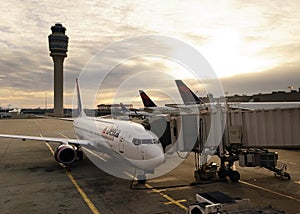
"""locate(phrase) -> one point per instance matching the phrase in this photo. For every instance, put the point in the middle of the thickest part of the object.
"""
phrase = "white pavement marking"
(271, 191)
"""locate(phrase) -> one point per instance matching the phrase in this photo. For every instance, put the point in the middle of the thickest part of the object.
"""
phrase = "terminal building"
(106, 109)
(276, 96)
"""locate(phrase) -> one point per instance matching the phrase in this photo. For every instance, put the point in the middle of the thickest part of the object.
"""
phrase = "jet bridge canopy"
(270, 128)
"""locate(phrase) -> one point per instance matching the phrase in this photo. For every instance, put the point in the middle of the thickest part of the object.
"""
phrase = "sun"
(229, 54)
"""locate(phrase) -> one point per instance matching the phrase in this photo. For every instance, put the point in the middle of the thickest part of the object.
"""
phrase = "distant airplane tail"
(187, 94)
(123, 108)
(80, 111)
(146, 99)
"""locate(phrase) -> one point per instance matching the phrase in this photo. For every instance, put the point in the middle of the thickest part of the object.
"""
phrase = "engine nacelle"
(65, 154)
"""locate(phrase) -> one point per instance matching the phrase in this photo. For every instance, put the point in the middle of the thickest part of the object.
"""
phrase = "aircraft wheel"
(80, 155)
(141, 179)
(222, 174)
(234, 176)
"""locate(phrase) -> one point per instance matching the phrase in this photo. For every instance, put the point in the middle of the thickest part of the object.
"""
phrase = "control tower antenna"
(58, 47)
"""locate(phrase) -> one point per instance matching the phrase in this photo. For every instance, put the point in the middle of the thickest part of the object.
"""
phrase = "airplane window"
(147, 141)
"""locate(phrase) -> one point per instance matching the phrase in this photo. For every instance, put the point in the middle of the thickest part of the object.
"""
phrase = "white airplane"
(190, 98)
(131, 141)
(135, 113)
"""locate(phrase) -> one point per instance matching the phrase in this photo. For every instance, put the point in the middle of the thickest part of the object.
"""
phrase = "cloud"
(275, 79)
(267, 33)
(122, 83)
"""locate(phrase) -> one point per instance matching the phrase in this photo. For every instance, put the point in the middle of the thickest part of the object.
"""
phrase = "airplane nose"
(154, 152)
(152, 156)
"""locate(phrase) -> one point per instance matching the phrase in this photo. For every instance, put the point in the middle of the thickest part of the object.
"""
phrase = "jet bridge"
(242, 136)
(176, 132)
(190, 133)
(249, 135)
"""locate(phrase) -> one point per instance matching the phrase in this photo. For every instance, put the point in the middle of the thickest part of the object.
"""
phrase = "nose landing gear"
(141, 179)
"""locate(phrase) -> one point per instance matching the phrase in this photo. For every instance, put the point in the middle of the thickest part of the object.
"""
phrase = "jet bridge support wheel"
(222, 174)
(234, 176)
(228, 172)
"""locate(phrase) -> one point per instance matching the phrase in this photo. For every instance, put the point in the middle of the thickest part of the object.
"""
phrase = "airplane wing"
(66, 118)
(239, 108)
(47, 139)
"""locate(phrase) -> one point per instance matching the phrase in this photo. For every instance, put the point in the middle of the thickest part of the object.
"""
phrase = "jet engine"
(65, 154)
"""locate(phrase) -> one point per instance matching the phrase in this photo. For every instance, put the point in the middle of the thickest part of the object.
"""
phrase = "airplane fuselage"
(130, 140)
(162, 110)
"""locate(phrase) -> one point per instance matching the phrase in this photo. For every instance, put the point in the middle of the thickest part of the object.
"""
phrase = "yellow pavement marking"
(129, 175)
(268, 190)
(83, 195)
(171, 200)
(160, 190)
(179, 201)
(86, 199)
(93, 153)
(50, 148)
(63, 135)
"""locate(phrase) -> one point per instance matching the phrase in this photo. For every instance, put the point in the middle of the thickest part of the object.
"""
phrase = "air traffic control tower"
(58, 46)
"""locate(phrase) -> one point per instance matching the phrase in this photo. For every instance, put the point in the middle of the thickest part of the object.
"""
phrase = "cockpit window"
(136, 141)
(147, 141)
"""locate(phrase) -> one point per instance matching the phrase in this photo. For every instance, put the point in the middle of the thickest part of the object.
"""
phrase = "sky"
(252, 46)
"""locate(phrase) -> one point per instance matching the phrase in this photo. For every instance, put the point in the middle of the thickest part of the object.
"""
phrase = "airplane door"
(121, 142)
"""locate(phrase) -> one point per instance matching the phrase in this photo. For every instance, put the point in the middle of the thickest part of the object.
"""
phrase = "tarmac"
(31, 181)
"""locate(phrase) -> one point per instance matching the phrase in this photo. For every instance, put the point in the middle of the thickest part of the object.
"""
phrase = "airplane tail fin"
(187, 95)
(80, 111)
(146, 99)
(123, 108)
